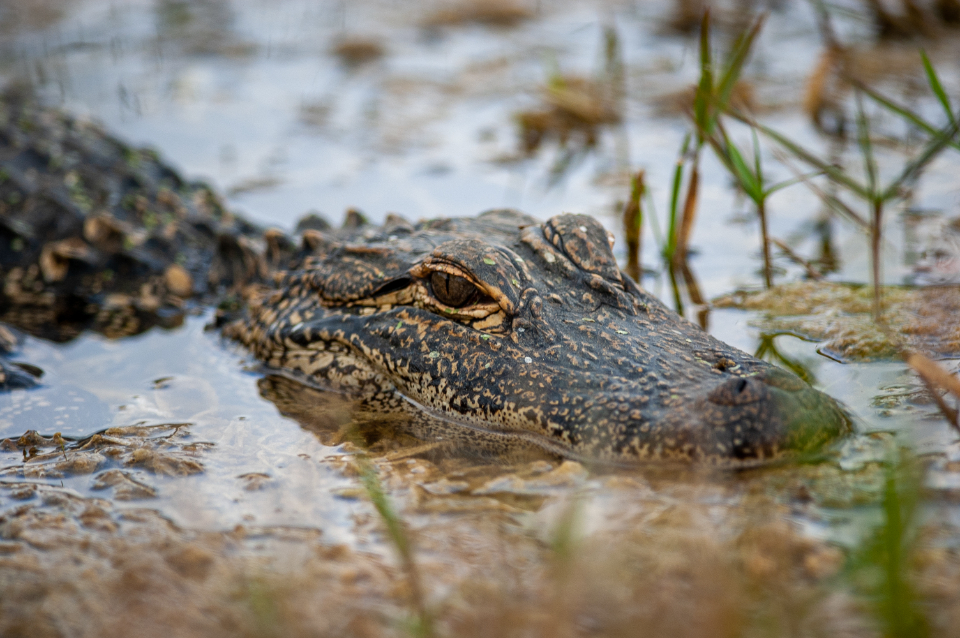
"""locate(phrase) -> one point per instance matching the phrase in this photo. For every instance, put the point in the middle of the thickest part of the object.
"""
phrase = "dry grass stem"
(575, 109)
(689, 214)
(822, 93)
(935, 377)
(633, 227)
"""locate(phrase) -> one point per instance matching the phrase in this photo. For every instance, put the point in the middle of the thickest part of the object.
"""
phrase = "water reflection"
(768, 351)
(686, 287)
(199, 27)
(931, 248)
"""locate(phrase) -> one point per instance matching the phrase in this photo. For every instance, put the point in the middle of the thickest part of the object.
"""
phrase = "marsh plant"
(421, 622)
(875, 194)
(711, 97)
(711, 106)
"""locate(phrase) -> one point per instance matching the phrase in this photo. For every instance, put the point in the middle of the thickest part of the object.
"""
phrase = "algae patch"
(121, 458)
(922, 319)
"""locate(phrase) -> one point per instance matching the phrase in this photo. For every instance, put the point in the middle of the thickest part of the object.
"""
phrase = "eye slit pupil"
(453, 290)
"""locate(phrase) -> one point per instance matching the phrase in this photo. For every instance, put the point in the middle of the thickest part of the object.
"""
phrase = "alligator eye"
(453, 290)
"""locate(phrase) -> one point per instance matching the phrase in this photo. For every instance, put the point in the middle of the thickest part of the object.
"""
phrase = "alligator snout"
(762, 415)
(768, 414)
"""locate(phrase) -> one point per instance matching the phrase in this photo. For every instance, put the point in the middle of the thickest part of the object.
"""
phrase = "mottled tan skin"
(558, 351)
(543, 343)
(95, 234)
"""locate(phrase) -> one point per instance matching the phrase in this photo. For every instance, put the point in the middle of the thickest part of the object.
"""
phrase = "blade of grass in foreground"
(397, 533)
(880, 567)
(936, 377)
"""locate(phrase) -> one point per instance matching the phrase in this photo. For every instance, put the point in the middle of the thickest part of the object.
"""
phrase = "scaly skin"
(97, 235)
(561, 351)
(497, 333)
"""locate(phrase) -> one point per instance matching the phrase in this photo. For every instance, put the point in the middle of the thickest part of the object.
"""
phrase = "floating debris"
(357, 51)
(492, 13)
(156, 449)
(576, 108)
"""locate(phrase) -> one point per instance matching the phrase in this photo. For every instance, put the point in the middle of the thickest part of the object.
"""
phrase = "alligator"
(495, 334)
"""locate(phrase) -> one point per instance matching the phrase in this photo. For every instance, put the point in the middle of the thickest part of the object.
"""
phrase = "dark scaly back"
(97, 234)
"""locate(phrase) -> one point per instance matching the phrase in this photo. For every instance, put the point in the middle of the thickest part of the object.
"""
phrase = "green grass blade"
(828, 169)
(900, 110)
(788, 183)
(866, 149)
(758, 168)
(395, 530)
(833, 202)
(838, 206)
(397, 534)
(936, 87)
(880, 568)
(893, 107)
(737, 59)
(675, 199)
(732, 159)
(654, 224)
(748, 181)
(704, 93)
(940, 141)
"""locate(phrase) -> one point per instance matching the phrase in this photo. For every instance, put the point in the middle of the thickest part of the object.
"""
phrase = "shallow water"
(253, 100)
(248, 96)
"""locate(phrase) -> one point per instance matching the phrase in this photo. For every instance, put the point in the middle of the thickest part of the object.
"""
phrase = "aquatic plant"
(710, 99)
(422, 625)
(871, 191)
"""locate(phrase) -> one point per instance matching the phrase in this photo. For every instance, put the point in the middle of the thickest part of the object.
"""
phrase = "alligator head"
(507, 330)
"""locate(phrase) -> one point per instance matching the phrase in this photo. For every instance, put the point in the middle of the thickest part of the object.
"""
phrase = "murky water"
(250, 96)
(253, 99)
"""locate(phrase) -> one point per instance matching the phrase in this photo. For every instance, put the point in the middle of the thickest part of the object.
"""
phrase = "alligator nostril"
(737, 391)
